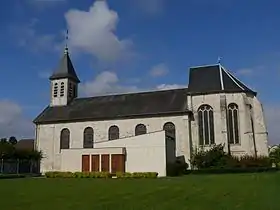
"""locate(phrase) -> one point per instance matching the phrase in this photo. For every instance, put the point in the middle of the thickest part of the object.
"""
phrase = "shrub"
(56, 174)
(213, 158)
(137, 175)
(232, 170)
(176, 169)
(275, 156)
(216, 158)
(255, 162)
(124, 175)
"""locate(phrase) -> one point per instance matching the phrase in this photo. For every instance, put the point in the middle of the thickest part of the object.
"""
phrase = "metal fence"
(19, 166)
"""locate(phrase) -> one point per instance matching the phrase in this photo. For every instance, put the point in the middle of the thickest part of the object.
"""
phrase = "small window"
(206, 125)
(62, 89)
(88, 137)
(55, 90)
(65, 139)
(74, 91)
(170, 131)
(140, 129)
(70, 92)
(233, 123)
(114, 132)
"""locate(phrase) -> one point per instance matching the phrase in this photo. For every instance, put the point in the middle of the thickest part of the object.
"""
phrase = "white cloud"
(151, 7)
(45, 3)
(170, 86)
(272, 115)
(29, 38)
(105, 83)
(250, 71)
(159, 70)
(245, 71)
(13, 122)
(44, 74)
(93, 32)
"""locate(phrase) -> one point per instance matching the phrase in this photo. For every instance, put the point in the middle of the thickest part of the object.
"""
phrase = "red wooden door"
(85, 163)
(95, 163)
(117, 163)
(105, 163)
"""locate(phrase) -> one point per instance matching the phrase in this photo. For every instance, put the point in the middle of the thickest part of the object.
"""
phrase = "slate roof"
(65, 69)
(214, 79)
(133, 105)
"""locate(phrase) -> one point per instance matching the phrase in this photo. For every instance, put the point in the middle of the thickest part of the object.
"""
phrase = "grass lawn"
(235, 191)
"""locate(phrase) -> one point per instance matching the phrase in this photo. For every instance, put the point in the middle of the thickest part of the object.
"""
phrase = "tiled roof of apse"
(214, 79)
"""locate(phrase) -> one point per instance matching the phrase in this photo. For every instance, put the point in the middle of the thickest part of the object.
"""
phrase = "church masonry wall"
(246, 145)
(48, 136)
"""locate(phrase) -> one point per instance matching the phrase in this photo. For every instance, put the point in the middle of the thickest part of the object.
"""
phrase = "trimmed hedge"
(58, 174)
(11, 176)
(137, 175)
(232, 170)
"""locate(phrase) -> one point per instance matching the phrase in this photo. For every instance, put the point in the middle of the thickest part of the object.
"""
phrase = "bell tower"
(64, 81)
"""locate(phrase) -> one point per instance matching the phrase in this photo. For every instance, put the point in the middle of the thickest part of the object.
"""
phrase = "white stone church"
(143, 132)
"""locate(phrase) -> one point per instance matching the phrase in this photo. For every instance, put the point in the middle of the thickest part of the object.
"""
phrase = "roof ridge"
(232, 77)
(131, 93)
(203, 66)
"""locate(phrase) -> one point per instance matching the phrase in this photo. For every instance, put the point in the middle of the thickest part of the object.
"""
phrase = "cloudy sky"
(133, 45)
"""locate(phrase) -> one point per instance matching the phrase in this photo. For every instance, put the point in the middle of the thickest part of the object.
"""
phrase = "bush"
(57, 174)
(137, 175)
(11, 176)
(176, 169)
(232, 170)
(275, 156)
(216, 158)
(255, 162)
(213, 158)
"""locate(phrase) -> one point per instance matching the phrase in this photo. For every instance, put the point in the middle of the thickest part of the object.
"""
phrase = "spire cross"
(66, 42)
(219, 59)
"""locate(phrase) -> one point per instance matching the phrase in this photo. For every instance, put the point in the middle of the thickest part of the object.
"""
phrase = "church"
(146, 131)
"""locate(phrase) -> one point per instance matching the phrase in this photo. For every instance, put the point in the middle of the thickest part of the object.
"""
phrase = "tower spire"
(219, 60)
(66, 43)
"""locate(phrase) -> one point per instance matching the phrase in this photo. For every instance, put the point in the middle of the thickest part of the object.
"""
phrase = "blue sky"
(133, 45)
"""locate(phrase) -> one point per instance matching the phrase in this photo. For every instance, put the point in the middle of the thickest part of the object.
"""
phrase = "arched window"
(140, 129)
(114, 132)
(88, 138)
(62, 89)
(206, 125)
(65, 139)
(70, 91)
(233, 123)
(55, 90)
(170, 131)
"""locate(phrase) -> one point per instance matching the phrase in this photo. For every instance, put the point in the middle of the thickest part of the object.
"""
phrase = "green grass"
(194, 192)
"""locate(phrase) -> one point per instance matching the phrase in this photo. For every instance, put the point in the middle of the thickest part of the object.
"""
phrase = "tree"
(13, 140)
(274, 154)
(3, 140)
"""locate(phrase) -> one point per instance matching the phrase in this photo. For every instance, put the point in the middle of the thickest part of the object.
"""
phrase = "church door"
(118, 163)
(105, 163)
(95, 163)
(85, 163)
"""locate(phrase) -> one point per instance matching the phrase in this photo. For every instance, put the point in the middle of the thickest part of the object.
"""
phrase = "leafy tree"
(3, 140)
(274, 154)
(13, 140)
